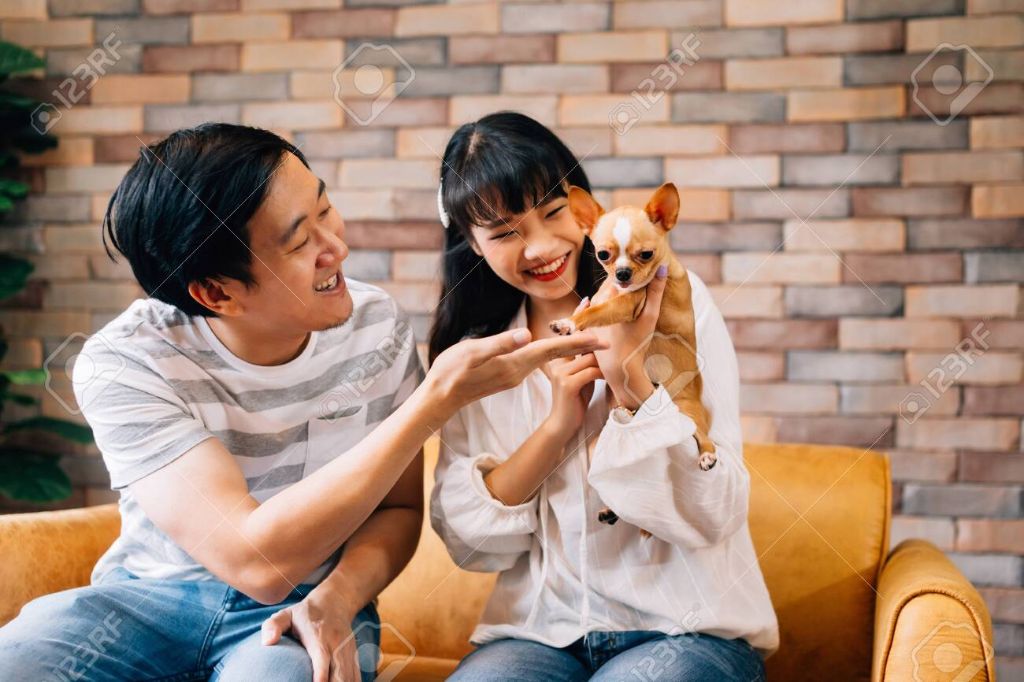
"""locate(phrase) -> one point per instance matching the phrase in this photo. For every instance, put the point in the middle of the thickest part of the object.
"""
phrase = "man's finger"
(275, 626)
(321, 660)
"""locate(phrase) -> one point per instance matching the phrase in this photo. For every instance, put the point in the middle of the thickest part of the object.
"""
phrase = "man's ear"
(584, 209)
(663, 208)
(215, 296)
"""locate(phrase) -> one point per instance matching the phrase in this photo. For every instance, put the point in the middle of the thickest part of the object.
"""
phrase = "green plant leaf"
(26, 377)
(14, 272)
(32, 477)
(61, 427)
(10, 100)
(21, 399)
(16, 59)
(15, 189)
(5, 204)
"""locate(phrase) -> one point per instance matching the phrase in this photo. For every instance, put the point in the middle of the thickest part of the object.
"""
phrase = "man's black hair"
(181, 212)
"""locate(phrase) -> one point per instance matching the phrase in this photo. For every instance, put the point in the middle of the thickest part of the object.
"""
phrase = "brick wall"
(855, 229)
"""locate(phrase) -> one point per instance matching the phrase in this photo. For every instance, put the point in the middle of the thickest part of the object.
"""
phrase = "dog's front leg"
(621, 308)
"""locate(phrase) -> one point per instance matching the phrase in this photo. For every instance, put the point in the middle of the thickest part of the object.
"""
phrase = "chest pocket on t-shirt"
(331, 436)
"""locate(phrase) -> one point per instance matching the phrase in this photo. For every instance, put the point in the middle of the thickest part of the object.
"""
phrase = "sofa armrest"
(51, 551)
(930, 622)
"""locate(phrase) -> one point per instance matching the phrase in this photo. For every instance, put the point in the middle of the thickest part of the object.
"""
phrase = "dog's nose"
(623, 274)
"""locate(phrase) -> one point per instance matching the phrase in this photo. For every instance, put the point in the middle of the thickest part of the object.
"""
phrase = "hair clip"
(445, 220)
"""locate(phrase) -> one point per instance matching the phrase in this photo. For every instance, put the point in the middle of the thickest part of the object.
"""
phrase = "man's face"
(297, 250)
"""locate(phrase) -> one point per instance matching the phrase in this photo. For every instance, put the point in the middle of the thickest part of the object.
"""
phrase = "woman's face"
(537, 251)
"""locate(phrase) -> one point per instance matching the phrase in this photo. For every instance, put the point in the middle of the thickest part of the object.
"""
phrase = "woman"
(523, 474)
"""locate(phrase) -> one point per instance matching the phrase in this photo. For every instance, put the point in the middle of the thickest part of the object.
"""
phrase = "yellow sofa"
(848, 608)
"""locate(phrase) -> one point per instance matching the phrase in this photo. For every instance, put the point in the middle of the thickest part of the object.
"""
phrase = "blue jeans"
(126, 628)
(615, 657)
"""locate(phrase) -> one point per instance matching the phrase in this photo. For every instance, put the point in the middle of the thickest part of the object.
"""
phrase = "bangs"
(497, 182)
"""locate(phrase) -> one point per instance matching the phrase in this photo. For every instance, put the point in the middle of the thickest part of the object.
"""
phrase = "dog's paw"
(707, 460)
(562, 327)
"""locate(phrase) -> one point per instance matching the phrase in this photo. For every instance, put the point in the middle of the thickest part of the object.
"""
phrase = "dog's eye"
(603, 255)
(646, 256)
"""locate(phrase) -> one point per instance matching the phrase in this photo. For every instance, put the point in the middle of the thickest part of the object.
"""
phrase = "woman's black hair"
(502, 165)
(181, 212)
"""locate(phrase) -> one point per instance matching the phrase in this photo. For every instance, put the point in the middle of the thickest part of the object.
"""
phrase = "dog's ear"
(663, 208)
(584, 209)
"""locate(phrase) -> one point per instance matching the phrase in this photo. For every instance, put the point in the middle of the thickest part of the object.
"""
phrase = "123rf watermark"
(72, 89)
(651, 90)
(940, 379)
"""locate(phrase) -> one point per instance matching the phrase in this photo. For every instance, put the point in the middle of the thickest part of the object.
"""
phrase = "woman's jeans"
(125, 628)
(615, 657)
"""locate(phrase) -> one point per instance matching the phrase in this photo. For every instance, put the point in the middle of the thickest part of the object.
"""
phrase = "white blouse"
(563, 573)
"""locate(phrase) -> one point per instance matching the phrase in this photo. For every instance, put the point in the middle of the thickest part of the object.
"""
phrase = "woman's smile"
(550, 270)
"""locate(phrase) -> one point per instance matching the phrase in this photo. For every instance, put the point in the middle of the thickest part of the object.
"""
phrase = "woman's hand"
(572, 384)
(623, 363)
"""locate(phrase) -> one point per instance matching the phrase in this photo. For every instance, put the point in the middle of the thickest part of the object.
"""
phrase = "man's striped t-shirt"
(155, 382)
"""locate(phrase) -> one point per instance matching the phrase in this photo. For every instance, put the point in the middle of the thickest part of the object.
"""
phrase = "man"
(262, 418)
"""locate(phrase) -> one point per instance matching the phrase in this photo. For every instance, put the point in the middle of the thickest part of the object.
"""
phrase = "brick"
(415, 143)
(879, 36)
(733, 42)
(758, 366)
(238, 27)
(902, 268)
(899, 69)
(989, 570)
(146, 30)
(899, 333)
(991, 467)
(84, 179)
(148, 89)
(101, 120)
(623, 172)
(445, 20)
(121, 148)
(344, 23)
(635, 77)
(999, 334)
(554, 79)
(32, 324)
(65, 8)
(388, 173)
(414, 111)
(583, 141)
(347, 144)
(23, 354)
(840, 169)
(259, 5)
(167, 118)
(923, 201)
(958, 432)
(699, 204)
(62, 61)
(842, 301)
(724, 171)
(863, 432)
(964, 234)
(753, 13)
(543, 17)
(368, 265)
(900, 135)
(72, 151)
(914, 465)
(845, 104)
(785, 203)
(53, 33)
(788, 398)
(416, 265)
(747, 301)
(844, 235)
(321, 85)
(102, 267)
(365, 204)
(732, 107)
(674, 140)
(415, 51)
(996, 400)
(783, 73)
(815, 137)
(187, 6)
(723, 236)
(962, 167)
(23, 9)
(962, 301)
(935, 530)
(996, 98)
(961, 500)
(1006, 65)
(997, 201)
(778, 267)
(468, 108)
(992, 367)
(91, 295)
(852, 367)
(707, 266)
(21, 239)
(192, 59)
(993, 6)
(501, 49)
(1004, 31)
(994, 267)
(780, 334)
(1004, 604)
(975, 535)
(416, 297)
(239, 86)
(377, 234)
(291, 54)
(458, 80)
(59, 267)
(612, 46)
(667, 13)
(891, 398)
(997, 132)
(293, 115)
(72, 238)
(883, 9)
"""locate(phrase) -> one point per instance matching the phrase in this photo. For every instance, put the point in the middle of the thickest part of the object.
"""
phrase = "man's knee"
(252, 660)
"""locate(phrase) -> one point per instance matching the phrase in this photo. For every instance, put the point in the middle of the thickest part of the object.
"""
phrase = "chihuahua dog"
(631, 243)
